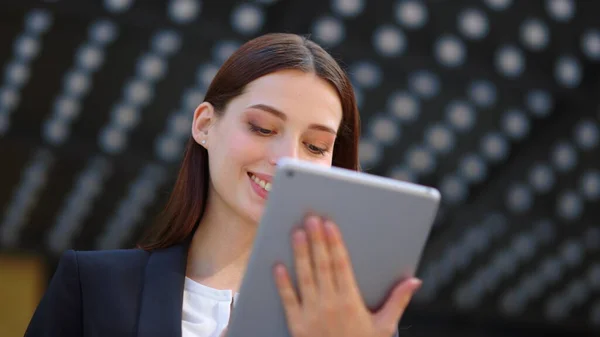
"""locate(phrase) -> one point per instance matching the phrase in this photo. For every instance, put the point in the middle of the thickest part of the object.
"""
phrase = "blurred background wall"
(494, 102)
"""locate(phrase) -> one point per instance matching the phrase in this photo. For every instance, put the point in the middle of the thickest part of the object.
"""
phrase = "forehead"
(301, 96)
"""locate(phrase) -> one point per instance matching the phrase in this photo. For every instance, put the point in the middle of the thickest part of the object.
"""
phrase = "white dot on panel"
(192, 98)
(411, 13)
(482, 93)
(450, 51)
(103, 32)
(17, 74)
(460, 115)
(593, 276)
(77, 83)
(472, 168)
(589, 185)
(27, 47)
(9, 97)
(38, 21)
(551, 269)
(568, 71)
(424, 83)
(89, 57)
(328, 30)
(180, 125)
(206, 73)
(347, 8)
(112, 140)
(453, 189)
(571, 252)
(369, 152)
(570, 206)
(440, 138)
(55, 131)
(223, 50)
(389, 41)
(590, 44)
(151, 67)
(539, 102)
(138, 92)
(66, 108)
(509, 61)
(591, 238)
(403, 174)
(519, 198)
(515, 124)
(126, 116)
(168, 148)
(524, 246)
(421, 160)
(494, 147)
(564, 157)
(587, 134)
(117, 6)
(247, 19)
(473, 24)
(498, 5)
(184, 11)
(366, 74)
(541, 177)
(384, 130)
(534, 34)
(358, 96)
(404, 106)
(166, 42)
(560, 10)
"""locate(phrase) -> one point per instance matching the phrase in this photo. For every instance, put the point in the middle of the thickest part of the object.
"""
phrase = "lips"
(262, 181)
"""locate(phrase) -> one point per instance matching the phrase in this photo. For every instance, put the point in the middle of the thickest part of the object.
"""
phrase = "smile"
(265, 185)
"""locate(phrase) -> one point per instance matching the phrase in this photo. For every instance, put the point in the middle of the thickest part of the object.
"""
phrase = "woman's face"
(284, 114)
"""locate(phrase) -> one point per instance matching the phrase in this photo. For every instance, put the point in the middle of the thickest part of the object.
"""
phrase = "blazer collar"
(162, 292)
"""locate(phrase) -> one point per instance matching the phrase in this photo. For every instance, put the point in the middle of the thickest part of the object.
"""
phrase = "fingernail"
(416, 284)
(312, 222)
(299, 236)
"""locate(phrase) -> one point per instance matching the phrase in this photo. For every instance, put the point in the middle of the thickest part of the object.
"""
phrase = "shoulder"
(102, 259)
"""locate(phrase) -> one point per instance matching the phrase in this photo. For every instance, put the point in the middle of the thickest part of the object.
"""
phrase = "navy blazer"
(114, 293)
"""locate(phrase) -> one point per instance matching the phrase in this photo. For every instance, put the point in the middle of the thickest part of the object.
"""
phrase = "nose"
(284, 148)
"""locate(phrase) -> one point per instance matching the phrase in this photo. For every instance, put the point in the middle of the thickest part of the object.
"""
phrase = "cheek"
(243, 147)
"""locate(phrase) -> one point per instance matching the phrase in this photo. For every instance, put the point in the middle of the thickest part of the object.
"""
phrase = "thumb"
(394, 307)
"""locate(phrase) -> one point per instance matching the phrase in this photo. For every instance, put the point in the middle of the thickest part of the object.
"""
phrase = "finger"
(340, 260)
(320, 256)
(223, 333)
(304, 271)
(394, 307)
(289, 298)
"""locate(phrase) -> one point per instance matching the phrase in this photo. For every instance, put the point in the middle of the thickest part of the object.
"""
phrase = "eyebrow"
(279, 114)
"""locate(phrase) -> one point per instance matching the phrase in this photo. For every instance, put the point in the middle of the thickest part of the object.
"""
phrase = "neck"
(220, 248)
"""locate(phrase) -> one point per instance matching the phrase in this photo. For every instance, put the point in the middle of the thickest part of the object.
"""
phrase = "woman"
(278, 95)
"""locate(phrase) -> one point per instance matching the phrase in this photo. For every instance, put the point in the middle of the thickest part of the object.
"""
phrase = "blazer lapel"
(162, 294)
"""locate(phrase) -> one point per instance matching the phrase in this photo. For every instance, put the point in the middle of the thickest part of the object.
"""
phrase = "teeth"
(265, 185)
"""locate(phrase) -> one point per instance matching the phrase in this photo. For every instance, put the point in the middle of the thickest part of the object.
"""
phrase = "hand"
(328, 302)
(223, 333)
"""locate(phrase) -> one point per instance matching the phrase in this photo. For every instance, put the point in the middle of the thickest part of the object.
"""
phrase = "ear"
(204, 118)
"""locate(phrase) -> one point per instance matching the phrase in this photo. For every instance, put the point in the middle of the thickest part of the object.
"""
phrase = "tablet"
(385, 224)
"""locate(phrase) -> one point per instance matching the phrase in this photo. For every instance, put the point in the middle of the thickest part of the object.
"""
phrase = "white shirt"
(206, 310)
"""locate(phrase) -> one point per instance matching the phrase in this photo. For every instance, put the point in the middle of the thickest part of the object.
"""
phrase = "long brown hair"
(256, 58)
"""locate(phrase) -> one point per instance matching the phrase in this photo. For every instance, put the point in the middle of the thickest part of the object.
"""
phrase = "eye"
(316, 150)
(260, 131)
